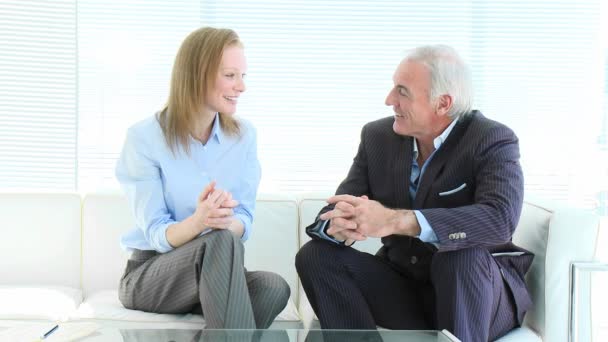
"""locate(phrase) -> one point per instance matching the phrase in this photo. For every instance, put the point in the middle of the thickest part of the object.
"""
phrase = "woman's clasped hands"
(215, 208)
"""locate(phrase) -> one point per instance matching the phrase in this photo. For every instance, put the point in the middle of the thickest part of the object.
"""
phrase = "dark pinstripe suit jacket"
(481, 153)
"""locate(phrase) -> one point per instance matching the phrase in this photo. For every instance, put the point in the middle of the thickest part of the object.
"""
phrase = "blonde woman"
(191, 174)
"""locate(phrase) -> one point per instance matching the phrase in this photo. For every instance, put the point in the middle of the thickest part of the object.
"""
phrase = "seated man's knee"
(311, 254)
(452, 261)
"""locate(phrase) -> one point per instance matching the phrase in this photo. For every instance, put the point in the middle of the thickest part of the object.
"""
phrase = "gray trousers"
(205, 275)
(206, 335)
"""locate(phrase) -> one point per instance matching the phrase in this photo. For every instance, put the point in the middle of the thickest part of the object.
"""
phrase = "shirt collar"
(216, 131)
(437, 142)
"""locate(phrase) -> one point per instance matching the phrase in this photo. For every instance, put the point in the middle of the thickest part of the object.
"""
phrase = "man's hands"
(214, 208)
(342, 224)
(355, 218)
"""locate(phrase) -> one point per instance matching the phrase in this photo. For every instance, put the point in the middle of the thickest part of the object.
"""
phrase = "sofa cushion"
(557, 236)
(105, 217)
(271, 247)
(105, 305)
(55, 303)
(274, 242)
(531, 233)
(41, 239)
(523, 334)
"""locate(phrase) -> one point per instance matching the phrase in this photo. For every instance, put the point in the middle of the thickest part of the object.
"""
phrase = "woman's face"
(229, 82)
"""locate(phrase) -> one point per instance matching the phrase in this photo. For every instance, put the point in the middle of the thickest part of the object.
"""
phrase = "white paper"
(31, 332)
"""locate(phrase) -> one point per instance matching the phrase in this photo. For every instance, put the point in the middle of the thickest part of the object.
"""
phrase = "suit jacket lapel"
(401, 172)
(435, 166)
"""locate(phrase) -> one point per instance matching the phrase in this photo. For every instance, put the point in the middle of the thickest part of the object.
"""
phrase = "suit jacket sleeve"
(492, 216)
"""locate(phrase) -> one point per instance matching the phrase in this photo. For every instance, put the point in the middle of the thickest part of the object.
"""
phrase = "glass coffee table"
(178, 335)
(94, 332)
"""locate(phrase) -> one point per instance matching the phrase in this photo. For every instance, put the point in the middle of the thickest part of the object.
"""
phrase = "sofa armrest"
(580, 298)
(558, 235)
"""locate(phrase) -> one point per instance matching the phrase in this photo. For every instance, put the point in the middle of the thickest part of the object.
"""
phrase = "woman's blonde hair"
(194, 74)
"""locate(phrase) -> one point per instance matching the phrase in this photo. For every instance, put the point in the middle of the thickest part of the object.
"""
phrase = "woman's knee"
(276, 286)
(125, 297)
(283, 290)
(223, 238)
(280, 291)
(223, 235)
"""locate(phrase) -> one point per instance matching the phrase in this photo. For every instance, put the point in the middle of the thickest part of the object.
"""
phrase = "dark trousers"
(349, 289)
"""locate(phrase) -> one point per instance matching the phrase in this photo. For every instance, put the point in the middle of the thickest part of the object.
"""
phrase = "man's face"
(414, 113)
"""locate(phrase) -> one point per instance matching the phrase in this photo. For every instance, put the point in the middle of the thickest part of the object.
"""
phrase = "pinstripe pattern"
(480, 217)
(234, 335)
(349, 289)
(472, 298)
(241, 336)
(205, 274)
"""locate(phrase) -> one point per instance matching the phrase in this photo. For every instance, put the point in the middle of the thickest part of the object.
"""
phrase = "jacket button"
(413, 259)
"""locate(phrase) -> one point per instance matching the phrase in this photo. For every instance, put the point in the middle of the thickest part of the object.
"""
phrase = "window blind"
(318, 71)
(125, 56)
(38, 121)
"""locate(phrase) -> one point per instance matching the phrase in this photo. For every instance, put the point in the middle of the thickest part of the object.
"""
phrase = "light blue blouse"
(163, 188)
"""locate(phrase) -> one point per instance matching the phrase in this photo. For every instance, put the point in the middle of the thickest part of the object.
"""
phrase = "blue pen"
(48, 333)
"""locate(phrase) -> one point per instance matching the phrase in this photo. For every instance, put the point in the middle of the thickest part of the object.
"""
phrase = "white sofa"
(60, 259)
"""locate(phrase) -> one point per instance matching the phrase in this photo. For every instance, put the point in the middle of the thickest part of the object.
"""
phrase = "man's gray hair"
(449, 75)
